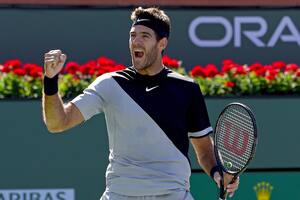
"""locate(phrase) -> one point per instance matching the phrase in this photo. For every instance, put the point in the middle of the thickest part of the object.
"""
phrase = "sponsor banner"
(37, 194)
(240, 29)
(245, 36)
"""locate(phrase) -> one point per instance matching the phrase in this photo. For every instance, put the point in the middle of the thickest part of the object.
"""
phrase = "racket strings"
(241, 128)
(235, 138)
(241, 117)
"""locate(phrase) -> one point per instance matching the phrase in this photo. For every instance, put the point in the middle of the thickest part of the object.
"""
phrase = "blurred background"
(245, 51)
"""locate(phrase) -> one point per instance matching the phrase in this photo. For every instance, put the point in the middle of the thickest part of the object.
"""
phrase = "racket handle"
(223, 195)
(223, 191)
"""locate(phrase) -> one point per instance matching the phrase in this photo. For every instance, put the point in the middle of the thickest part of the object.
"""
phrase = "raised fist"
(54, 61)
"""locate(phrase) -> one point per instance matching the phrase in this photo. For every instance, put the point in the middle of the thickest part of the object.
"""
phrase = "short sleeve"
(92, 101)
(197, 117)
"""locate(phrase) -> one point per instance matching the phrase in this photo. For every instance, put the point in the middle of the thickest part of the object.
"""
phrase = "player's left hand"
(230, 187)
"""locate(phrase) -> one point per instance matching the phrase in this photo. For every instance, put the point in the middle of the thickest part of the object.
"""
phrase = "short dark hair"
(153, 13)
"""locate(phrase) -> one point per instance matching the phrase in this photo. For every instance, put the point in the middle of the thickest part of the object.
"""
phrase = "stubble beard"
(148, 60)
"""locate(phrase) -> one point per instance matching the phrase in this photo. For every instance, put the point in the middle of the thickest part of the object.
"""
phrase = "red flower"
(271, 72)
(271, 77)
(229, 84)
(10, 65)
(36, 72)
(5, 69)
(211, 70)
(169, 62)
(198, 71)
(104, 61)
(85, 69)
(269, 67)
(241, 70)
(71, 68)
(28, 67)
(229, 65)
(107, 69)
(166, 60)
(260, 72)
(91, 63)
(278, 64)
(227, 62)
(33, 70)
(227, 68)
(119, 67)
(13, 63)
(173, 64)
(88, 68)
(255, 67)
(291, 67)
(19, 72)
(298, 73)
(100, 71)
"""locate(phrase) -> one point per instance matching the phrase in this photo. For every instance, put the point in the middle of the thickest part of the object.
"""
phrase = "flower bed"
(256, 79)
(19, 80)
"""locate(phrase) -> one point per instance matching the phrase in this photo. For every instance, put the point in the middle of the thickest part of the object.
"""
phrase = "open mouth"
(138, 54)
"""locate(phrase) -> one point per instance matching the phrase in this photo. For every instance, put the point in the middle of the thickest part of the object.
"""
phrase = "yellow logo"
(263, 190)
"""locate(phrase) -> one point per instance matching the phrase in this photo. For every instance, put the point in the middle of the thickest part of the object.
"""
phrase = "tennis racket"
(235, 141)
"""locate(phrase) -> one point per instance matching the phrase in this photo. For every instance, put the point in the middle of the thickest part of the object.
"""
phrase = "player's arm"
(57, 116)
(203, 145)
(198, 128)
(204, 149)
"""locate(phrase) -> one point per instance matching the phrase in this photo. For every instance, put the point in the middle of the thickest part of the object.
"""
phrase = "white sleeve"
(93, 99)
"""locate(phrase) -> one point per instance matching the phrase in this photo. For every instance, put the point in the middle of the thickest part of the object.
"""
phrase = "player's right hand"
(231, 187)
(54, 61)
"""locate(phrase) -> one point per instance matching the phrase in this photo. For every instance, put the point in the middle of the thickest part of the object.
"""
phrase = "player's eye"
(132, 36)
(146, 36)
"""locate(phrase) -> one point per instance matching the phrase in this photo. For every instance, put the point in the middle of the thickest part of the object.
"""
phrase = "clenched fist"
(53, 62)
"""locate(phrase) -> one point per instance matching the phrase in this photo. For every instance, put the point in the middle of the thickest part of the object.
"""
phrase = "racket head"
(235, 138)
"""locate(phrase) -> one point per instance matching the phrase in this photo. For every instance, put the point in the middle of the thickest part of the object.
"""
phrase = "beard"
(148, 59)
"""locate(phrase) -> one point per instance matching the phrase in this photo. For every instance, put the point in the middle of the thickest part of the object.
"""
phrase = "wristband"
(216, 168)
(51, 85)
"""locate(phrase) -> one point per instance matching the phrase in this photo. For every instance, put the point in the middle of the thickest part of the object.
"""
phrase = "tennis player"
(151, 114)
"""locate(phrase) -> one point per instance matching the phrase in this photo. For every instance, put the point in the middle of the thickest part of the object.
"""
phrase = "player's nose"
(137, 41)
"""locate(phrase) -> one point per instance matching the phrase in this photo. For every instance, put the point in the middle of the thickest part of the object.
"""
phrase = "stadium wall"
(199, 35)
(180, 3)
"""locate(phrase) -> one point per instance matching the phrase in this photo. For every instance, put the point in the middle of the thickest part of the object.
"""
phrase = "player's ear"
(163, 43)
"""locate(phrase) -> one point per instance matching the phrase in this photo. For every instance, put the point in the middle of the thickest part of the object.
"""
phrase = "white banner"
(37, 194)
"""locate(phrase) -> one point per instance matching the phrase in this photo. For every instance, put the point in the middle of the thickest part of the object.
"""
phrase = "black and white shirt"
(149, 121)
